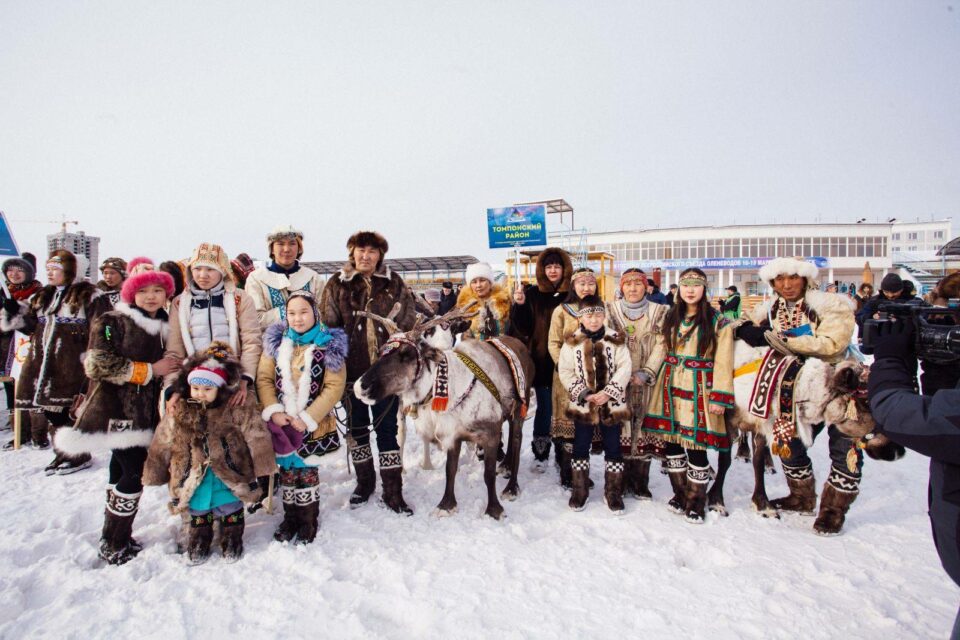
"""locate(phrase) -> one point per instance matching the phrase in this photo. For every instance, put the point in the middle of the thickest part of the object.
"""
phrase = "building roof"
(952, 248)
(445, 264)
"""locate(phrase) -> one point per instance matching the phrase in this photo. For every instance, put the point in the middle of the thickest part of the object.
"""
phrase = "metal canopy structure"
(558, 206)
(952, 248)
(433, 266)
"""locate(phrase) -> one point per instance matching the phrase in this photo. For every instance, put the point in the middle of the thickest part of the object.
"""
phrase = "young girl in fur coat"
(595, 371)
(211, 452)
(125, 364)
(301, 378)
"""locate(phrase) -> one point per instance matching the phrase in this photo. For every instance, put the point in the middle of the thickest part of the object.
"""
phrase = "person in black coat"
(892, 289)
(448, 298)
(928, 425)
(530, 316)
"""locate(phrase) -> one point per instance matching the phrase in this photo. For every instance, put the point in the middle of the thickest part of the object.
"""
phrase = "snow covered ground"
(544, 572)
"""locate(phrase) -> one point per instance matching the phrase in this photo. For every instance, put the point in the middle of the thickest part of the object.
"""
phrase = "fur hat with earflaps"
(28, 269)
(285, 232)
(212, 256)
(217, 358)
(117, 264)
(367, 239)
(789, 267)
(66, 262)
(146, 279)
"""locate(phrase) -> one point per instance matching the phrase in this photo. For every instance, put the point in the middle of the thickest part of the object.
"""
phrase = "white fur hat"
(789, 267)
(479, 270)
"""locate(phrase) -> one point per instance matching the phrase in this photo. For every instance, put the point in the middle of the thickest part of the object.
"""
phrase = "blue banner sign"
(522, 225)
(8, 246)
(723, 263)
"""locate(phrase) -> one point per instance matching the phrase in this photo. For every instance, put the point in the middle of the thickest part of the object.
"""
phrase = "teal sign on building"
(522, 225)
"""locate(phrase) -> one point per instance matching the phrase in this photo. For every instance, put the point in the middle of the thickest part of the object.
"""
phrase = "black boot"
(231, 535)
(287, 529)
(541, 453)
(392, 478)
(200, 538)
(696, 493)
(613, 486)
(676, 467)
(308, 506)
(839, 492)
(115, 541)
(643, 480)
(366, 477)
(581, 489)
(565, 455)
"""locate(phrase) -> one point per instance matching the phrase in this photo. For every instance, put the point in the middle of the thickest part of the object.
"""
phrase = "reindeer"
(822, 393)
(456, 394)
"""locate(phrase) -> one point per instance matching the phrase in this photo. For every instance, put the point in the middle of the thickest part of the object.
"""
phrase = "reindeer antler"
(388, 322)
(457, 313)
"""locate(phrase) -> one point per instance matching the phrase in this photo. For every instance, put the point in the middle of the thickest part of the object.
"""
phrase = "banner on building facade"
(522, 225)
(8, 246)
(723, 263)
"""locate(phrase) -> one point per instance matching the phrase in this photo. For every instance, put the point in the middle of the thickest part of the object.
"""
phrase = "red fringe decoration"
(439, 404)
(523, 410)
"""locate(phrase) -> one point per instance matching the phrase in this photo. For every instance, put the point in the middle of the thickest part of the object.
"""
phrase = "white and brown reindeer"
(456, 394)
(823, 393)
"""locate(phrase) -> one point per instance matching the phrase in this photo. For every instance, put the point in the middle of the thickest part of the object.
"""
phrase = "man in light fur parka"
(301, 378)
(805, 322)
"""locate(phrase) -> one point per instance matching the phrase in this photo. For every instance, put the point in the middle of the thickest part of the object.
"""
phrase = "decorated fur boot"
(696, 493)
(581, 483)
(288, 486)
(200, 538)
(613, 486)
(839, 492)
(116, 543)
(803, 491)
(676, 467)
(362, 458)
(231, 535)
(308, 506)
(392, 478)
(636, 478)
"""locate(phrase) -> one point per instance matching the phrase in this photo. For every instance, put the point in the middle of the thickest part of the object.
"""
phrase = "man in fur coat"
(272, 284)
(58, 320)
(113, 272)
(800, 320)
(365, 283)
(530, 318)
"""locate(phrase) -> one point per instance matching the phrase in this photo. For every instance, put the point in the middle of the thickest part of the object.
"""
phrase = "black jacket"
(930, 426)
(447, 302)
(872, 305)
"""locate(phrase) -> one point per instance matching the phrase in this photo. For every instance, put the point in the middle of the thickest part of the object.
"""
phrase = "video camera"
(937, 328)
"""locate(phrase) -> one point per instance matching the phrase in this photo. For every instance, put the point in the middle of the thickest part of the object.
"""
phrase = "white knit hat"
(479, 270)
(789, 267)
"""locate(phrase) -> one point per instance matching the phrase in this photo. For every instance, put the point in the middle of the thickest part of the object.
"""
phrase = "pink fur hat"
(145, 279)
(136, 262)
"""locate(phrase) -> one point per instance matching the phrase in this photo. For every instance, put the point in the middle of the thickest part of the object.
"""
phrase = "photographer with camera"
(928, 425)
(891, 290)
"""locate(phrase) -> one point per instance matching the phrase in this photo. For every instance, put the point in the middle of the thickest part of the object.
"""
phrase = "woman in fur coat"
(564, 321)
(493, 303)
(694, 388)
(641, 321)
(211, 452)
(212, 309)
(595, 371)
(301, 377)
(125, 364)
(22, 284)
(58, 320)
(530, 318)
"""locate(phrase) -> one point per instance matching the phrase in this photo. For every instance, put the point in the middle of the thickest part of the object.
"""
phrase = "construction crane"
(63, 222)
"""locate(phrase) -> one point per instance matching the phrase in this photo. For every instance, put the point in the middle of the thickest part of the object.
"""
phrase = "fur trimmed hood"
(609, 335)
(349, 271)
(334, 352)
(789, 267)
(218, 355)
(543, 283)
(820, 302)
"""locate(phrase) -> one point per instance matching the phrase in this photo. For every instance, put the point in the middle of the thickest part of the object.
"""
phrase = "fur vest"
(530, 321)
(588, 367)
(348, 292)
(270, 290)
(494, 314)
(121, 408)
(305, 381)
(58, 322)
(110, 293)
(230, 441)
(831, 320)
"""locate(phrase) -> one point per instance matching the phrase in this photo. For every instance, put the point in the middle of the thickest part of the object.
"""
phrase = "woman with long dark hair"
(693, 389)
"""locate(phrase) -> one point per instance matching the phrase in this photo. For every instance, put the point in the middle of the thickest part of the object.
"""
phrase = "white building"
(733, 254)
(78, 243)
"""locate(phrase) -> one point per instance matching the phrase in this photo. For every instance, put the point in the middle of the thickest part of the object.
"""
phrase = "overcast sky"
(162, 124)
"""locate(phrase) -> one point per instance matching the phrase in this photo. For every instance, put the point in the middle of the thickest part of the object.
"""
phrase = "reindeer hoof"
(510, 493)
(720, 509)
(767, 512)
(495, 513)
(442, 512)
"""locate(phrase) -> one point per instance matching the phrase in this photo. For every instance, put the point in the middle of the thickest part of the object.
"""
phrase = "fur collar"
(294, 282)
(820, 301)
(153, 326)
(543, 283)
(578, 337)
(499, 300)
(349, 271)
(75, 296)
(334, 353)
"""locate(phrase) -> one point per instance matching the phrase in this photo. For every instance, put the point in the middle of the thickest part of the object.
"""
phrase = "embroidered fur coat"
(829, 315)
(588, 367)
(494, 316)
(58, 323)
(269, 291)
(121, 408)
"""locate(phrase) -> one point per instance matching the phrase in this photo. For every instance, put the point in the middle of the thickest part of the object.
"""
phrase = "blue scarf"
(317, 335)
